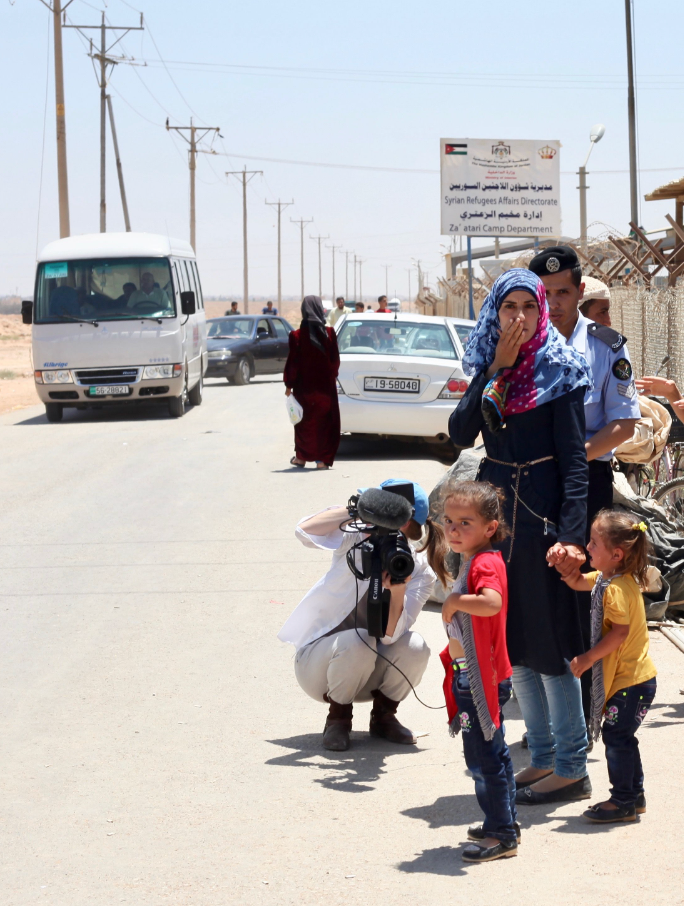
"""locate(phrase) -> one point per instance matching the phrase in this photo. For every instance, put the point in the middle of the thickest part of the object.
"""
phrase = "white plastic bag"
(294, 410)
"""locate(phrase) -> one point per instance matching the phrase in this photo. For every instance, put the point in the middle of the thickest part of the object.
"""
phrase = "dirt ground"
(17, 389)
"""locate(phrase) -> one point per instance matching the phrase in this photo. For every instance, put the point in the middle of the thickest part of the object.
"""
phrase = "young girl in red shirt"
(477, 659)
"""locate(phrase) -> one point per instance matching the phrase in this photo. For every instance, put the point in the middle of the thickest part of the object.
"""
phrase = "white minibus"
(117, 317)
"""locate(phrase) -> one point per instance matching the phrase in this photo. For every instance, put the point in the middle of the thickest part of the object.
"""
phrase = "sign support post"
(471, 307)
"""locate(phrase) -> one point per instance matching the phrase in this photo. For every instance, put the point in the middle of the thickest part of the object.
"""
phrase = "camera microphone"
(384, 508)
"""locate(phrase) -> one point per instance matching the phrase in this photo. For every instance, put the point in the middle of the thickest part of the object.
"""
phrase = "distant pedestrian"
(623, 683)
(337, 312)
(358, 308)
(233, 309)
(382, 308)
(269, 310)
(311, 375)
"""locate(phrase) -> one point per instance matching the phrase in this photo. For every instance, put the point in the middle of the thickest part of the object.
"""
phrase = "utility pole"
(332, 248)
(243, 174)
(320, 271)
(408, 271)
(119, 169)
(346, 276)
(105, 61)
(360, 263)
(631, 113)
(192, 161)
(302, 224)
(387, 267)
(62, 178)
(356, 298)
(281, 205)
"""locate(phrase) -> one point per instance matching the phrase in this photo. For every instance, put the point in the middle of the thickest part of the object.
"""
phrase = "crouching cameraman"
(338, 661)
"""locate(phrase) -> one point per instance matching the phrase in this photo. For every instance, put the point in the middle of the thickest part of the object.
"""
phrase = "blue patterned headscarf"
(546, 368)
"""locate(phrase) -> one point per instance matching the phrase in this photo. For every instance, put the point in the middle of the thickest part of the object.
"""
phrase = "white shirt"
(333, 597)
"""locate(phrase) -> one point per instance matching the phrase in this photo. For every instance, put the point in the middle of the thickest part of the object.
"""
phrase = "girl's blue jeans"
(552, 710)
(488, 762)
(622, 718)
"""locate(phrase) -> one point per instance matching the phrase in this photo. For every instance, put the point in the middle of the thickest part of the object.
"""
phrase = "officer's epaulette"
(607, 335)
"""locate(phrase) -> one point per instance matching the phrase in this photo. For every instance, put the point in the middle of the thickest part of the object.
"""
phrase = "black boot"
(384, 723)
(337, 726)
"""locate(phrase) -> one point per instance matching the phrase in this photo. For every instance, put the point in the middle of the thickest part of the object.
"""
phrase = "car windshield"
(396, 338)
(104, 289)
(231, 328)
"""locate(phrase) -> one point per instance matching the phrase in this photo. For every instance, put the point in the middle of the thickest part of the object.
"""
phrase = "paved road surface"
(155, 747)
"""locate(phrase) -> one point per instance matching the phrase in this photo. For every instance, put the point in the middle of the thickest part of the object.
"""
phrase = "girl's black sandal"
(598, 815)
(502, 850)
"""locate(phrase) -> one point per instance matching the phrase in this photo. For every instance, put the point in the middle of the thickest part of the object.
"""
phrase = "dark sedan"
(241, 346)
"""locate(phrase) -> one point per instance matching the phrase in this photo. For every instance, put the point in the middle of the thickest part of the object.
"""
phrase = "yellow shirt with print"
(629, 664)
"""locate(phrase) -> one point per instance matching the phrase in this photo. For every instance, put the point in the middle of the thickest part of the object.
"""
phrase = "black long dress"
(543, 627)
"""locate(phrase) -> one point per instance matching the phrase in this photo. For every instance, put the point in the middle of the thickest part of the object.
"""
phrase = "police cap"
(553, 260)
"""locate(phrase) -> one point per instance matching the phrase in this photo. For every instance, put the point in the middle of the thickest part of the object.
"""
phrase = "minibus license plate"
(109, 390)
(392, 385)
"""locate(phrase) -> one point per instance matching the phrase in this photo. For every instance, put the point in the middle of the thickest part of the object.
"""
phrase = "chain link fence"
(653, 322)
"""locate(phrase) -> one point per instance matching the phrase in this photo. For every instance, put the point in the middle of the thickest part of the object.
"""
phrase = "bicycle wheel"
(671, 497)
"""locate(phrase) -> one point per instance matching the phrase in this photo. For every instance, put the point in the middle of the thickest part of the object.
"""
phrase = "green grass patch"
(6, 375)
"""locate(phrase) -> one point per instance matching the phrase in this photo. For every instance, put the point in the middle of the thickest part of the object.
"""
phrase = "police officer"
(611, 408)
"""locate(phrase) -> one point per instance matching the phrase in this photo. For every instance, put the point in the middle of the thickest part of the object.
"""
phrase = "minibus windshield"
(112, 289)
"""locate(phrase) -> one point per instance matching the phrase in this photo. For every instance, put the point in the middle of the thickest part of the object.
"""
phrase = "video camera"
(381, 512)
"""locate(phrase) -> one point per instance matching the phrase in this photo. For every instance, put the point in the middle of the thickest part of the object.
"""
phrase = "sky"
(371, 85)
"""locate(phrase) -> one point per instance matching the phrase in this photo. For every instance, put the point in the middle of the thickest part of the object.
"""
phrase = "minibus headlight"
(155, 372)
(53, 377)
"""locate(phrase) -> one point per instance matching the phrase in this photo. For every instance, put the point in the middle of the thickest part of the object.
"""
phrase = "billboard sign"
(500, 188)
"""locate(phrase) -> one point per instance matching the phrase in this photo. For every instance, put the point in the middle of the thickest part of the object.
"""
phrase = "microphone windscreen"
(383, 508)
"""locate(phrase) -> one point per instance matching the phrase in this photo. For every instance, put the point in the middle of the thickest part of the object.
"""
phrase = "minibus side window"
(191, 283)
(198, 289)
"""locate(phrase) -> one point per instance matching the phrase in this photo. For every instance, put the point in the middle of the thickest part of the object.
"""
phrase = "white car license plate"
(109, 390)
(392, 385)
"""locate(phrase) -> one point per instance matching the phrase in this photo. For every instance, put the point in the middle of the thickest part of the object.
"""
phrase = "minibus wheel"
(195, 395)
(243, 372)
(177, 403)
(54, 412)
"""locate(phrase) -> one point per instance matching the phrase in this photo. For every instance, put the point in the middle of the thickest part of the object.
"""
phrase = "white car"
(400, 374)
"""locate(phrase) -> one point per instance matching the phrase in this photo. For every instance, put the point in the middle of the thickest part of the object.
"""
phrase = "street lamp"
(596, 134)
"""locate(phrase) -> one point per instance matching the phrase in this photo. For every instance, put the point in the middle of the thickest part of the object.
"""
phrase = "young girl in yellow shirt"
(623, 674)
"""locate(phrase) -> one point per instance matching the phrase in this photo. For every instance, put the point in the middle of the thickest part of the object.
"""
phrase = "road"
(155, 746)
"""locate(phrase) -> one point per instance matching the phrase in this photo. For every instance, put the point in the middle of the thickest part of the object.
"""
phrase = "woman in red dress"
(311, 375)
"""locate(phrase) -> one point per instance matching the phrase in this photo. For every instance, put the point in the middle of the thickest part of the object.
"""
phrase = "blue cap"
(421, 504)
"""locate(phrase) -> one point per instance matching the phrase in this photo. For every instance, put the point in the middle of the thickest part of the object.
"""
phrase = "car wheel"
(177, 403)
(195, 395)
(243, 372)
(54, 412)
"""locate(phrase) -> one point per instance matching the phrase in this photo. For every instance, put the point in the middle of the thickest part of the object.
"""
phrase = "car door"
(266, 348)
(283, 348)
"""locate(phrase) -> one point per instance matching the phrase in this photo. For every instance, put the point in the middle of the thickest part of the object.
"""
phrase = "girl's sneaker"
(476, 832)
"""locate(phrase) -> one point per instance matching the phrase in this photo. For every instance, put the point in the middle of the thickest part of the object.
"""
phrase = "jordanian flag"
(455, 149)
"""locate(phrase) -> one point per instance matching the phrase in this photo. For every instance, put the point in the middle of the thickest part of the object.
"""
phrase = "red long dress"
(312, 377)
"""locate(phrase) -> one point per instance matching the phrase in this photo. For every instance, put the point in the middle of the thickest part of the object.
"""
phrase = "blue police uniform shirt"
(614, 394)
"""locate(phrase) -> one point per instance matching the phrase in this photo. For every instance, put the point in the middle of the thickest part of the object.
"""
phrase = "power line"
(192, 162)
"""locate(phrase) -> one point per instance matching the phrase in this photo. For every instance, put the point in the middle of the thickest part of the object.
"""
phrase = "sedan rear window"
(396, 338)
(231, 327)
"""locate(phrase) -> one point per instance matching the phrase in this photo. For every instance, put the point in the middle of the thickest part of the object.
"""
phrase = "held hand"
(555, 554)
(394, 587)
(567, 558)
(579, 665)
(508, 347)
